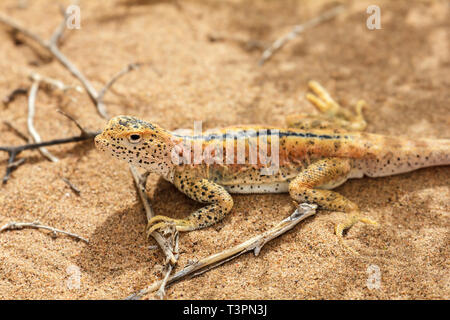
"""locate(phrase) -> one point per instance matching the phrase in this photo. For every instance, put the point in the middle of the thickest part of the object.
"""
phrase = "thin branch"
(166, 246)
(163, 283)
(12, 165)
(140, 181)
(31, 111)
(82, 130)
(54, 82)
(169, 267)
(298, 29)
(13, 151)
(254, 244)
(13, 95)
(108, 85)
(37, 79)
(25, 32)
(16, 163)
(16, 131)
(37, 225)
(52, 47)
(72, 186)
(31, 146)
(247, 44)
(59, 31)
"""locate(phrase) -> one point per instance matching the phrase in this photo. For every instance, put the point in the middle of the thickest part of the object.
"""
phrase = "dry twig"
(85, 135)
(254, 244)
(13, 151)
(16, 131)
(52, 47)
(37, 80)
(31, 111)
(130, 67)
(140, 182)
(248, 45)
(54, 83)
(168, 245)
(72, 186)
(169, 266)
(12, 96)
(279, 43)
(82, 130)
(37, 225)
(15, 164)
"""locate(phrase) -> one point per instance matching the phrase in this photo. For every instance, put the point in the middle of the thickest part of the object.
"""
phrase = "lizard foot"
(163, 222)
(323, 101)
(352, 220)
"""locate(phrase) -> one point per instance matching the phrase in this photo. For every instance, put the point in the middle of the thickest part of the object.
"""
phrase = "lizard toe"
(158, 222)
(341, 227)
(162, 222)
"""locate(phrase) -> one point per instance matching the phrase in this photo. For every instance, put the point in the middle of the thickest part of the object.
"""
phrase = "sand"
(402, 71)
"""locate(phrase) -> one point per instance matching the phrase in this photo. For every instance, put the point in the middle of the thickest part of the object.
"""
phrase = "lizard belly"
(274, 187)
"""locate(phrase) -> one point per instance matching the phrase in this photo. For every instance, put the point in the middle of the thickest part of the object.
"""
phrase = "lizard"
(315, 153)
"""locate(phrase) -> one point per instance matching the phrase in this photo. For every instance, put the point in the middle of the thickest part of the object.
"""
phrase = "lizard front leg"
(326, 174)
(219, 202)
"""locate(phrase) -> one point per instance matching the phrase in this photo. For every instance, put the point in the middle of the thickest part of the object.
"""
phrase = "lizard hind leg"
(311, 184)
(331, 116)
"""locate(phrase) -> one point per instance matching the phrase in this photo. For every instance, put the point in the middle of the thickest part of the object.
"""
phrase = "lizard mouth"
(100, 143)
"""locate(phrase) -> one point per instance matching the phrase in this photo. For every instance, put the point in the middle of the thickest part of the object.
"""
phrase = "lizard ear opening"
(134, 138)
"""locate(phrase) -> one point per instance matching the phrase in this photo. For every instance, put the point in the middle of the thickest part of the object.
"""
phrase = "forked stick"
(280, 42)
(37, 225)
(168, 245)
(52, 47)
(254, 244)
(140, 186)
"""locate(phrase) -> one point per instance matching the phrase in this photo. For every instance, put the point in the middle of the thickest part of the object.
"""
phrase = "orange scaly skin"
(316, 153)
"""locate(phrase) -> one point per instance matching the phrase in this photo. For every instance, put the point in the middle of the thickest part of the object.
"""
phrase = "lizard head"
(137, 142)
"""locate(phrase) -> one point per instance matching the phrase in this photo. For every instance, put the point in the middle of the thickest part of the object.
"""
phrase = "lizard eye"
(134, 138)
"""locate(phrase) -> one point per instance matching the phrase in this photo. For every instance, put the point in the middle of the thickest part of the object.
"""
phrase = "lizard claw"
(163, 222)
(158, 223)
(341, 227)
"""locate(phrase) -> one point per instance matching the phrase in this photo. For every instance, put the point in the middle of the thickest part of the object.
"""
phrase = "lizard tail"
(400, 155)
